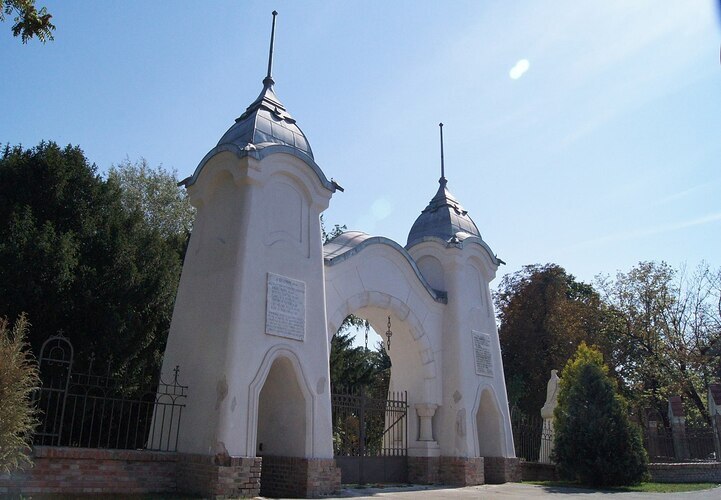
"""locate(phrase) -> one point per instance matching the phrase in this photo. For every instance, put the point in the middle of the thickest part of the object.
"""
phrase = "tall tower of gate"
(472, 425)
(249, 324)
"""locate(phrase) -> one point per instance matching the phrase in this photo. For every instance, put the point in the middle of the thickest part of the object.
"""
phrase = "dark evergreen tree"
(350, 366)
(78, 261)
(595, 442)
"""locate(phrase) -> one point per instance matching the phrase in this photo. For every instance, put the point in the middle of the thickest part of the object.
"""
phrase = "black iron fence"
(366, 426)
(84, 409)
(664, 444)
(533, 442)
(370, 436)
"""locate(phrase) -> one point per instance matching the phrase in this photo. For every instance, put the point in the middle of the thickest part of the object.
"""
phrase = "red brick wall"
(463, 471)
(299, 477)
(81, 470)
(534, 471)
(695, 472)
(84, 470)
(497, 470)
(203, 475)
(459, 471)
(709, 472)
(423, 470)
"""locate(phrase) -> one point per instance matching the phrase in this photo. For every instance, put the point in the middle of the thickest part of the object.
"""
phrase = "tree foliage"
(354, 369)
(18, 378)
(595, 442)
(666, 332)
(77, 259)
(354, 366)
(154, 193)
(545, 311)
(29, 21)
(326, 235)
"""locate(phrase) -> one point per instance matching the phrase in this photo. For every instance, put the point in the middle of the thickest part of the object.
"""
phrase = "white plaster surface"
(218, 332)
(259, 219)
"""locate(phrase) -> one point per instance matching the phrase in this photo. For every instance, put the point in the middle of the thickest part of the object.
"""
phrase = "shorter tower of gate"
(472, 424)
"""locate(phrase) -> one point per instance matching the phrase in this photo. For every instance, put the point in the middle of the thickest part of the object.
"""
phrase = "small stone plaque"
(482, 354)
(285, 307)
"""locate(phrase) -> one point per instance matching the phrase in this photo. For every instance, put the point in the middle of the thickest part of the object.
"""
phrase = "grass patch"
(643, 487)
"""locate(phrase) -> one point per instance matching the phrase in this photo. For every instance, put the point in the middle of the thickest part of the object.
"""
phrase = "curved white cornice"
(461, 240)
(350, 243)
(259, 152)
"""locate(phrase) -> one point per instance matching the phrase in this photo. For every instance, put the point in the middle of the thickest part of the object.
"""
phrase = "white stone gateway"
(260, 298)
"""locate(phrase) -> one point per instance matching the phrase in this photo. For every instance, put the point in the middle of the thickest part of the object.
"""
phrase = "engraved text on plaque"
(285, 307)
(482, 354)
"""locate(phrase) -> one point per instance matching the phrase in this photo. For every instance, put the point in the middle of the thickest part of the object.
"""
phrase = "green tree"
(545, 311)
(154, 192)
(29, 21)
(18, 378)
(79, 260)
(595, 442)
(354, 366)
(665, 333)
(326, 235)
(350, 367)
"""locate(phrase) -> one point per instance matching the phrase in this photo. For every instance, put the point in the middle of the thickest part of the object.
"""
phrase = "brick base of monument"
(534, 471)
(499, 470)
(460, 471)
(219, 476)
(299, 477)
(424, 470)
(73, 471)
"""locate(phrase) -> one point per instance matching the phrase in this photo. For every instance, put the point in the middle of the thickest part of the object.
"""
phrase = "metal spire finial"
(443, 167)
(269, 78)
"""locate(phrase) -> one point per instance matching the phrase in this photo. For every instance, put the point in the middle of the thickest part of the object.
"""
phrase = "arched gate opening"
(370, 418)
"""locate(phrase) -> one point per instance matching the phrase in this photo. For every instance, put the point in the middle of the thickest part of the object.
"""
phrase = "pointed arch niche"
(281, 413)
(489, 428)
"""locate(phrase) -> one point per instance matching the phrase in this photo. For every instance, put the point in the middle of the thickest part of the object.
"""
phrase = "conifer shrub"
(595, 442)
(18, 378)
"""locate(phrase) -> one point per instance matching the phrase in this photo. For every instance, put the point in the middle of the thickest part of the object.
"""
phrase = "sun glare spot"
(381, 208)
(519, 69)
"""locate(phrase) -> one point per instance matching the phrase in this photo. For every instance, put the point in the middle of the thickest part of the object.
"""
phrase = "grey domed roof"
(443, 218)
(266, 122)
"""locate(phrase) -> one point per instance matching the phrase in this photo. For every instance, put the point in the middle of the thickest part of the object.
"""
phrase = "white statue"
(547, 433)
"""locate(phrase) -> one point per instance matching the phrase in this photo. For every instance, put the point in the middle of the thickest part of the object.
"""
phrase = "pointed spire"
(268, 81)
(442, 180)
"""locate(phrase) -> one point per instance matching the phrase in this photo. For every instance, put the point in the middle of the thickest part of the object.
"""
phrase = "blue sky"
(605, 151)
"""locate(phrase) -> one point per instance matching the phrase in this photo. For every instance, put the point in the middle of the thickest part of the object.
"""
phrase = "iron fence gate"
(84, 409)
(694, 444)
(370, 437)
(532, 440)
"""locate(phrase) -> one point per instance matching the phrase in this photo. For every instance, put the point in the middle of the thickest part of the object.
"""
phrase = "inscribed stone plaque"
(482, 354)
(285, 307)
